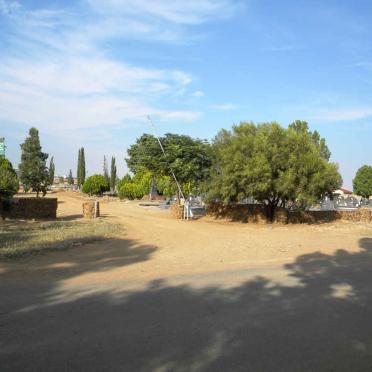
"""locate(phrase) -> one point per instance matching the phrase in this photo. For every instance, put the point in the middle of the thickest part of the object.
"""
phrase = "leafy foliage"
(187, 157)
(302, 126)
(8, 179)
(78, 171)
(127, 178)
(105, 169)
(113, 174)
(34, 173)
(131, 191)
(362, 183)
(70, 178)
(51, 171)
(80, 174)
(166, 186)
(136, 187)
(277, 166)
(96, 185)
(140, 185)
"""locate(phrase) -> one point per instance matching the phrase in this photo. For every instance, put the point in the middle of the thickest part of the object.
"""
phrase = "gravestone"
(153, 192)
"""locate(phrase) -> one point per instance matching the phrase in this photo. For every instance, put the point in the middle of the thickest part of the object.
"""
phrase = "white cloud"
(178, 115)
(225, 106)
(174, 11)
(93, 75)
(58, 72)
(63, 81)
(341, 114)
(198, 93)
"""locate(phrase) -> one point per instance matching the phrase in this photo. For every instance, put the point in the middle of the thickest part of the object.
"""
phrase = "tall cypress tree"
(70, 178)
(105, 169)
(51, 171)
(34, 173)
(113, 174)
(82, 167)
(78, 172)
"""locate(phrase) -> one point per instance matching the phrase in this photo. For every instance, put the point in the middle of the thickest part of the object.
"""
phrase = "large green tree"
(362, 183)
(34, 173)
(188, 158)
(277, 166)
(95, 185)
(8, 179)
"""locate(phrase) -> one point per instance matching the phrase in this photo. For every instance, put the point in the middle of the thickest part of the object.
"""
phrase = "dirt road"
(172, 295)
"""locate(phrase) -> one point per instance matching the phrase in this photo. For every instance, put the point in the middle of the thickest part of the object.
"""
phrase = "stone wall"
(357, 215)
(91, 209)
(176, 210)
(255, 213)
(247, 213)
(29, 208)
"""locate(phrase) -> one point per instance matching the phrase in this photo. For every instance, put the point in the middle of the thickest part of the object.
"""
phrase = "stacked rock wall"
(251, 213)
(255, 213)
(29, 208)
(91, 209)
(176, 210)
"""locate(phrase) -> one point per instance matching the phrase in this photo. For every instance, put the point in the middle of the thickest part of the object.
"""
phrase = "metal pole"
(162, 149)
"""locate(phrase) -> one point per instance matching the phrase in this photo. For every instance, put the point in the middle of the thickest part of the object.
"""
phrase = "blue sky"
(86, 73)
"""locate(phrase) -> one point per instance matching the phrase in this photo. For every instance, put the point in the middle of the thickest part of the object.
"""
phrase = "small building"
(343, 191)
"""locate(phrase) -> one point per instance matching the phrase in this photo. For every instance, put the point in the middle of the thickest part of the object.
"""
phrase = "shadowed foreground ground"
(322, 321)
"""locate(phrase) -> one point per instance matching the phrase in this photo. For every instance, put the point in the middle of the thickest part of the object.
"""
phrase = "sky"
(88, 72)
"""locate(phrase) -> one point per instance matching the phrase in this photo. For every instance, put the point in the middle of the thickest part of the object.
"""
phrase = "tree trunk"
(270, 211)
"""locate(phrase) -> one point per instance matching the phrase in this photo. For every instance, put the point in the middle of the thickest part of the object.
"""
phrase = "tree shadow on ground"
(72, 217)
(321, 323)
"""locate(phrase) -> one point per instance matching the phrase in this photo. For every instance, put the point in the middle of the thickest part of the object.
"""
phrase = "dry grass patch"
(20, 239)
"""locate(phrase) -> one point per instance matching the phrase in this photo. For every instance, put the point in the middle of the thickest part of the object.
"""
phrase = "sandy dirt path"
(169, 295)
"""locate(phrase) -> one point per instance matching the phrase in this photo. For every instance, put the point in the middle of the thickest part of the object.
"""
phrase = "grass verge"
(20, 239)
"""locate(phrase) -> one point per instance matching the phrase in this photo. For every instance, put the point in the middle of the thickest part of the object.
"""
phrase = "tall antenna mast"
(162, 149)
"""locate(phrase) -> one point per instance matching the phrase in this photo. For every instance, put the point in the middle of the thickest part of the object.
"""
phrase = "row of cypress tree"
(112, 177)
(35, 175)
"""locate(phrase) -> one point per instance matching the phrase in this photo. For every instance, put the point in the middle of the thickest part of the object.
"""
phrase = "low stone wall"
(91, 209)
(358, 215)
(247, 213)
(176, 210)
(29, 208)
(313, 216)
(255, 213)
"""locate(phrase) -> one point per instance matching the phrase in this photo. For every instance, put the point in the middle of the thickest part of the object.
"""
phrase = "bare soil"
(168, 294)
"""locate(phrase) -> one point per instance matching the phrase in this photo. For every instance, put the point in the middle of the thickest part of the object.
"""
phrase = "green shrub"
(96, 185)
(136, 187)
(139, 185)
(166, 186)
(8, 179)
(126, 179)
(143, 180)
(131, 191)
